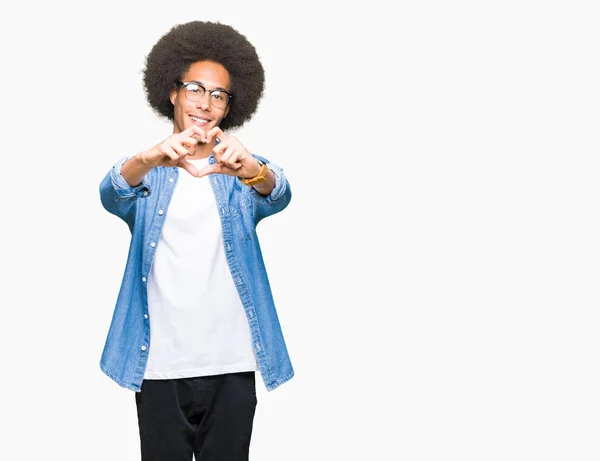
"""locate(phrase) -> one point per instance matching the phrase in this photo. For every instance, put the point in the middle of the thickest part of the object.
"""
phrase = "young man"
(195, 317)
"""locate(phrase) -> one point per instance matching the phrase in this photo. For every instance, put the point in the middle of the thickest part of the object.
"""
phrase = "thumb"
(187, 166)
(209, 169)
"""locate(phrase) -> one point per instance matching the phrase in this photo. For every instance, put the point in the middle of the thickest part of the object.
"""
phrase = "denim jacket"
(144, 209)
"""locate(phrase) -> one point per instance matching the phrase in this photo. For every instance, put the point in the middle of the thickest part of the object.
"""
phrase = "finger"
(230, 157)
(188, 141)
(190, 144)
(209, 169)
(216, 168)
(218, 152)
(195, 132)
(226, 153)
(192, 130)
(187, 166)
(180, 149)
(216, 132)
(219, 148)
(169, 152)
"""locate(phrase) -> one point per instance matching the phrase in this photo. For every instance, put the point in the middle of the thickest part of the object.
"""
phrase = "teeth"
(198, 119)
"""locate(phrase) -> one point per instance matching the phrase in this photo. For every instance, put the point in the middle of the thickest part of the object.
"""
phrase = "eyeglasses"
(194, 92)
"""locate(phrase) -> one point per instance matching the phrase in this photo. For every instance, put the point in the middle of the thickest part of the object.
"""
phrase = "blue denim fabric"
(144, 209)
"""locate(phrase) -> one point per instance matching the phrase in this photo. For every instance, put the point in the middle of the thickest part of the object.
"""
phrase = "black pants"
(209, 416)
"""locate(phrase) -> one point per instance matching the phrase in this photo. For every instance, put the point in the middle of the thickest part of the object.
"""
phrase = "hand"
(174, 150)
(232, 158)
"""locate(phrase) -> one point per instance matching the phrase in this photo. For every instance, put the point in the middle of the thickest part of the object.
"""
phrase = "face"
(203, 113)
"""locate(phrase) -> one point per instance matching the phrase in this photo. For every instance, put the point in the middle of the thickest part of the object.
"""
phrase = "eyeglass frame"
(210, 92)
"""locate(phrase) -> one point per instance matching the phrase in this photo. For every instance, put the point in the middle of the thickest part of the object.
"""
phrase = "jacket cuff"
(280, 184)
(122, 188)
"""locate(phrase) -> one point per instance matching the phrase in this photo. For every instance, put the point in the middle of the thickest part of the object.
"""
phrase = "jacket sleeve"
(277, 200)
(118, 197)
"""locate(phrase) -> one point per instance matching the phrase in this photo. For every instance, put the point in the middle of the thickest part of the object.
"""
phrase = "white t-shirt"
(198, 326)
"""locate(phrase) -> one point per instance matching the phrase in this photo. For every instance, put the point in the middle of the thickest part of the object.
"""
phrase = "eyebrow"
(217, 88)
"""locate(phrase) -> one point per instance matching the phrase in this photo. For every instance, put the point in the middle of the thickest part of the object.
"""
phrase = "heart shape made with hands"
(231, 157)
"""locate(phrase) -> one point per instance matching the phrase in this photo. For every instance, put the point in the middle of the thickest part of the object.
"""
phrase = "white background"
(436, 274)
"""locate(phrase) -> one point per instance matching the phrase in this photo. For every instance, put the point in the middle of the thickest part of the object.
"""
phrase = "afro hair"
(173, 54)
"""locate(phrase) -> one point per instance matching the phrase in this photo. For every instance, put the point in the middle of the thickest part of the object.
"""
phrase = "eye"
(194, 88)
(216, 95)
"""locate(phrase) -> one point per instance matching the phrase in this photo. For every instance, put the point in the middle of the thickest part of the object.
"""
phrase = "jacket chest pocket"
(242, 222)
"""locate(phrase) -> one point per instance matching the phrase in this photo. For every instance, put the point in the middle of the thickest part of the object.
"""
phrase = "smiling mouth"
(199, 120)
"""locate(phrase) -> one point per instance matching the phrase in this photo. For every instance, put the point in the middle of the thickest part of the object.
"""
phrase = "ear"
(173, 95)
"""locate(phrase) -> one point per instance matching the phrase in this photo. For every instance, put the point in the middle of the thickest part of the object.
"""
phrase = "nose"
(204, 101)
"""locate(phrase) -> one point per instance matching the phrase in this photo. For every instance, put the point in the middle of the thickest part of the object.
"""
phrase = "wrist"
(259, 165)
(141, 159)
(259, 177)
